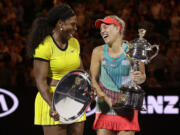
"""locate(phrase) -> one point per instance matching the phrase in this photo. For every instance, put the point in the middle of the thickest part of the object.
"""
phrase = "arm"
(40, 69)
(139, 77)
(95, 71)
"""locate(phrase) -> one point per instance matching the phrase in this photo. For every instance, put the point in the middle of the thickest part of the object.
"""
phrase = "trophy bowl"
(72, 96)
(140, 48)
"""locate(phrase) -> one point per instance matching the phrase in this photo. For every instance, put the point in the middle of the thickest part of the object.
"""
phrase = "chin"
(107, 42)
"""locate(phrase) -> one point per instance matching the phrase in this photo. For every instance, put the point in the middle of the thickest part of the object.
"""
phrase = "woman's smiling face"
(69, 27)
(108, 32)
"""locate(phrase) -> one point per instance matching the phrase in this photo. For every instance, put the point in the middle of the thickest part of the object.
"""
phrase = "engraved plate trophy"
(132, 96)
(72, 96)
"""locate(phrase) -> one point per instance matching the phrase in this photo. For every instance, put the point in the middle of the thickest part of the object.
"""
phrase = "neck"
(58, 38)
(117, 45)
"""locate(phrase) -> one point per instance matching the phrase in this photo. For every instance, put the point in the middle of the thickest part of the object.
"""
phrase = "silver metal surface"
(140, 48)
(72, 96)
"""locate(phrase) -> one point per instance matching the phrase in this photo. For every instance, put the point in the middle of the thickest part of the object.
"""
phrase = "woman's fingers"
(54, 114)
(93, 94)
(137, 76)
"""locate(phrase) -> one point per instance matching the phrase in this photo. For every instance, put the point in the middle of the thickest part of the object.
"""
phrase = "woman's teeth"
(105, 36)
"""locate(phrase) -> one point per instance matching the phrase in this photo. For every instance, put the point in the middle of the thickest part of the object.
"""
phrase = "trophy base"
(130, 98)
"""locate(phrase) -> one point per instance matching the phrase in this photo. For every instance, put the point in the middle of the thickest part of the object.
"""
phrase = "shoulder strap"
(106, 51)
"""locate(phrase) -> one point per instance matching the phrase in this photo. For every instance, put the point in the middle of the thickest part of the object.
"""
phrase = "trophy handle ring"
(155, 54)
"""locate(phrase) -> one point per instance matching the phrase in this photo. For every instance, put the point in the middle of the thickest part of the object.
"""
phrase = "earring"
(61, 29)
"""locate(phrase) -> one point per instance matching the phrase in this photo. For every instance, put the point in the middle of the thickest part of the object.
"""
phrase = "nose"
(101, 31)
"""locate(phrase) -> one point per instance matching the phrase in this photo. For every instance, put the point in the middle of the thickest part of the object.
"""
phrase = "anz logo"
(8, 102)
(166, 104)
(161, 104)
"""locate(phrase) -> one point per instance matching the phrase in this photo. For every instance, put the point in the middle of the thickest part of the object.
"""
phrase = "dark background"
(161, 19)
(21, 121)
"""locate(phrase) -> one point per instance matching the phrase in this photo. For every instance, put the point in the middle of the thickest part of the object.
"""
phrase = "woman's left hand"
(138, 77)
(54, 114)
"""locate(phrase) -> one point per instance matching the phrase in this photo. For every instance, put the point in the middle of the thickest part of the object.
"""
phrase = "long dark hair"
(43, 26)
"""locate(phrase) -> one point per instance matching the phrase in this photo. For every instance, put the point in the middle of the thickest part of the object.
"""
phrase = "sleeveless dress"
(61, 61)
(115, 73)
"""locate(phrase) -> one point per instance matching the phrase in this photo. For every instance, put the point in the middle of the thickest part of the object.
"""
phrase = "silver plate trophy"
(72, 96)
(138, 51)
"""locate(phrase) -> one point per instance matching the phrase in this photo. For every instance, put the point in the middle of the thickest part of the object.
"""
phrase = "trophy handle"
(155, 54)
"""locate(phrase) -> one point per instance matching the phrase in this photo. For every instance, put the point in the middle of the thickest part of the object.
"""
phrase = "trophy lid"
(140, 42)
(142, 32)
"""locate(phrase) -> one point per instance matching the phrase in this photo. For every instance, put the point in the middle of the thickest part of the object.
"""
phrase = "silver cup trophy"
(138, 51)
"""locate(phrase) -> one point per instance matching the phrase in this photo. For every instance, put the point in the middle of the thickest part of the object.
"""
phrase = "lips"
(69, 33)
(105, 36)
(72, 33)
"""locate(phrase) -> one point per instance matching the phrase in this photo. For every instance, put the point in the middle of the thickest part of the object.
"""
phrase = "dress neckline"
(113, 59)
(62, 49)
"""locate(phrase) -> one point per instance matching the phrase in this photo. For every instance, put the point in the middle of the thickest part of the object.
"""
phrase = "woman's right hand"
(54, 114)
